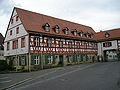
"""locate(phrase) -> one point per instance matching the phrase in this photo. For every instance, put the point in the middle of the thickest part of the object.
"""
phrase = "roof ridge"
(53, 17)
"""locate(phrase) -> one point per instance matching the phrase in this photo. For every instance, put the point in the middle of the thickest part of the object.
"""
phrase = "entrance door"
(61, 60)
(110, 55)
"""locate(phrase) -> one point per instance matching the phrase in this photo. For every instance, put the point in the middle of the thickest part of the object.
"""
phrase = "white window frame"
(50, 59)
(23, 60)
(36, 60)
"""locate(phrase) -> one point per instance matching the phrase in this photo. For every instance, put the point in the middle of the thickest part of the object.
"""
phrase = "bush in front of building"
(4, 65)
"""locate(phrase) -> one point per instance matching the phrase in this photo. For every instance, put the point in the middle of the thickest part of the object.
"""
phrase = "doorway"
(61, 63)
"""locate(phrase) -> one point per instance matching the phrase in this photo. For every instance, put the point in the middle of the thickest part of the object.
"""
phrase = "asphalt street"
(93, 76)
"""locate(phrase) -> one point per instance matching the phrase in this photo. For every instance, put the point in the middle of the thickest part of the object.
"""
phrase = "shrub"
(3, 65)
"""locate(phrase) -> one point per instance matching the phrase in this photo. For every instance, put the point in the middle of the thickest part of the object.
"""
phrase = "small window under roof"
(46, 27)
(56, 29)
(80, 33)
(74, 32)
(107, 34)
(65, 30)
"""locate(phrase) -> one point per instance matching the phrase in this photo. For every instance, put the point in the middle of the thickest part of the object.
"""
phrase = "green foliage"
(4, 65)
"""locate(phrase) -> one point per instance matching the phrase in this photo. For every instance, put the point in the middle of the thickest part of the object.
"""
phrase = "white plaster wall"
(101, 48)
(10, 38)
(13, 27)
(22, 32)
(19, 50)
(14, 20)
(114, 45)
(100, 52)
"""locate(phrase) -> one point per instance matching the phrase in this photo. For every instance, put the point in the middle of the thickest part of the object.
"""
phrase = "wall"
(10, 38)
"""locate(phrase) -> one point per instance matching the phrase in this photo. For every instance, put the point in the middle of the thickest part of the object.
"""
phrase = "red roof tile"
(34, 21)
(113, 34)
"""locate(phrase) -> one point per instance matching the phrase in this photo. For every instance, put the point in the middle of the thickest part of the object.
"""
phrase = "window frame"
(22, 42)
(50, 59)
(10, 32)
(36, 60)
(46, 27)
(49, 42)
(8, 45)
(56, 29)
(17, 30)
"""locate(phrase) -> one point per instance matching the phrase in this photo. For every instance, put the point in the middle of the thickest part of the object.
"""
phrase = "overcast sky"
(98, 14)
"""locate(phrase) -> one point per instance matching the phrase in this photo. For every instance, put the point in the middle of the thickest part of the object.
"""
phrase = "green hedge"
(4, 66)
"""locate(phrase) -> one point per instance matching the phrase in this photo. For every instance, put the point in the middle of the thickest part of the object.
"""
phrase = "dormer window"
(86, 35)
(107, 34)
(74, 32)
(46, 27)
(91, 35)
(65, 30)
(56, 29)
(80, 34)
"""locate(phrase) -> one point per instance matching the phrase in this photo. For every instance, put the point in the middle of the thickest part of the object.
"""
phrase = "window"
(80, 34)
(78, 45)
(8, 45)
(70, 44)
(15, 44)
(36, 60)
(61, 44)
(107, 44)
(49, 42)
(50, 59)
(17, 30)
(107, 34)
(46, 27)
(74, 32)
(36, 41)
(22, 42)
(23, 60)
(91, 35)
(86, 35)
(65, 30)
(10, 32)
(16, 18)
(11, 21)
(56, 28)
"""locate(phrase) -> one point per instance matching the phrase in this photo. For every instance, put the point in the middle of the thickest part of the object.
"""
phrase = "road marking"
(6, 81)
(52, 78)
(26, 80)
(4, 78)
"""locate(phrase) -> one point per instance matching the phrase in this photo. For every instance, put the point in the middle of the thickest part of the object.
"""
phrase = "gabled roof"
(113, 34)
(1, 41)
(33, 22)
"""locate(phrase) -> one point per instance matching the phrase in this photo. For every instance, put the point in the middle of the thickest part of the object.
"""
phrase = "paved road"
(94, 76)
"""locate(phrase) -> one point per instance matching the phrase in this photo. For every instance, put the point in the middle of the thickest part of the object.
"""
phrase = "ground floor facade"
(41, 61)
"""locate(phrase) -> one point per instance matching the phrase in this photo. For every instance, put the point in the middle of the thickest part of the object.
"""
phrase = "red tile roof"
(113, 34)
(34, 21)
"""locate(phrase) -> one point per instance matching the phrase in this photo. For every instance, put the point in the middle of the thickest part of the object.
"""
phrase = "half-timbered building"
(35, 40)
(108, 45)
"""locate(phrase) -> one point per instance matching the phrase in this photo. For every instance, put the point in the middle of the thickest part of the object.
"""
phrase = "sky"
(98, 14)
